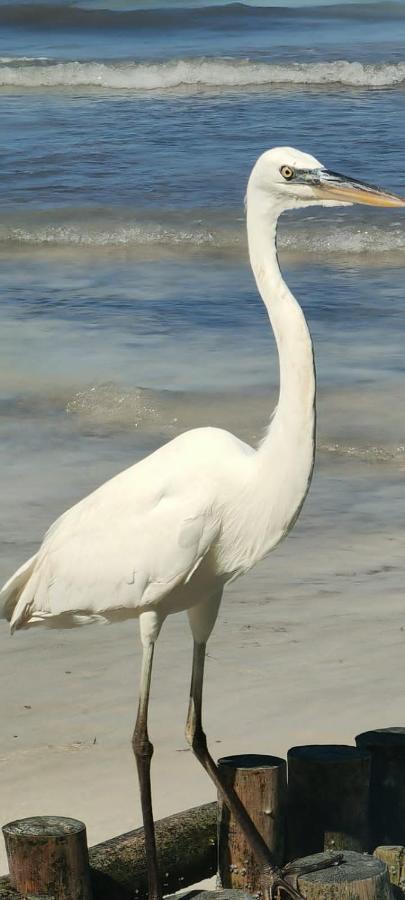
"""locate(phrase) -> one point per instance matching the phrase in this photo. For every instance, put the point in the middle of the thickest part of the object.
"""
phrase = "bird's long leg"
(272, 877)
(143, 750)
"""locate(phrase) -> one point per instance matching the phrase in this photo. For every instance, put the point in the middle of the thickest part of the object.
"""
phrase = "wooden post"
(187, 850)
(328, 795)
(187, 853)
(394, 858)
(387, 790)
(260, 783)
(358, 877)
(48, 857)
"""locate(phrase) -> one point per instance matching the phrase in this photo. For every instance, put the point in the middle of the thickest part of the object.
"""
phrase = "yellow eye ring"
(287, 172)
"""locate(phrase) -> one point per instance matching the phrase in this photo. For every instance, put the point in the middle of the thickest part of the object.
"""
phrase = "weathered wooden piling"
(394, 858)
(328, 799)
(187, 849)
(187, 845)
(48, 857)
(187, 853)
(357, 877)
(261, 784)
(387, 789)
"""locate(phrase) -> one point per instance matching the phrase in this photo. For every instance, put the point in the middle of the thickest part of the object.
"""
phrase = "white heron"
(168, 533)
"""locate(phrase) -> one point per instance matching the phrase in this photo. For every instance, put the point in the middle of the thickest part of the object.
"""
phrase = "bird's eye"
(287, 172)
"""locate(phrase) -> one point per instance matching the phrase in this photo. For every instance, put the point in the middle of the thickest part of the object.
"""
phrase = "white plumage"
(180, 523)
(168, 533)
(157, 537)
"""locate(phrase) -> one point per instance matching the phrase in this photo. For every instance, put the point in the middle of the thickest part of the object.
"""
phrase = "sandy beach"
(310, 647)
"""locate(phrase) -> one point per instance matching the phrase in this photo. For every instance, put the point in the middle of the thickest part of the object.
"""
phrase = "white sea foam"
(125, 235)
(18, 60)
(209, 236)
(202, 73)
(371, 454)
(115, 406)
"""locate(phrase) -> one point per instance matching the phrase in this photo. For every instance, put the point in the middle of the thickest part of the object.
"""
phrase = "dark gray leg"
(143, 750)
(272, 877)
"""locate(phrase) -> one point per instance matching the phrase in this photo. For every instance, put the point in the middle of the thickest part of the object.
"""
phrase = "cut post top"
(382, 737)
(251, 761)
(353, 867)
(328, 752)
(44, 826)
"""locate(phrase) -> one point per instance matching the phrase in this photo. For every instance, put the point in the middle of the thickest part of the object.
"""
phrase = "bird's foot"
(300, 867)
(276, 882)
(274, 885)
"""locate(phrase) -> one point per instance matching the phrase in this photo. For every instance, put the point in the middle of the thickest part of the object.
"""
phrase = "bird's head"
(288, 179)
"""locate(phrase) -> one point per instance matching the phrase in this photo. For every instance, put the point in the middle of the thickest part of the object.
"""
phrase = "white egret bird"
(168, 533)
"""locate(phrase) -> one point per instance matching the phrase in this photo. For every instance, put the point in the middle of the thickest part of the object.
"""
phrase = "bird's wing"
(111, 554)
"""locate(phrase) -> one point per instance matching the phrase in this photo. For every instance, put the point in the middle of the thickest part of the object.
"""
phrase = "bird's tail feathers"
(13, 589)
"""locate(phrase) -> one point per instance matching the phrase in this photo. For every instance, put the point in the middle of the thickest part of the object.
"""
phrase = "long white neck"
(281, 469)
(296, 404)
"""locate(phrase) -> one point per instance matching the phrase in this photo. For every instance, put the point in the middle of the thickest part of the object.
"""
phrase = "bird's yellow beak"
(332, 186)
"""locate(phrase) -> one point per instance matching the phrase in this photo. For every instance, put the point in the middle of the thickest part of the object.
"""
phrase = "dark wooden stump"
(358, 877)
(260, 783)
(387, 790)
(48, 857)
(328, 798)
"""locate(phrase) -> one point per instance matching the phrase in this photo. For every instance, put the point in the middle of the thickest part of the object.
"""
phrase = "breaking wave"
(170, 412)
(127, 235)
(111, 404)
(179, 233)
(395, 455)
(197, 74)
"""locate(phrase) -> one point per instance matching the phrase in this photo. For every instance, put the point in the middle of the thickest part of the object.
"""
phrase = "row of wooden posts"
(336, 798)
